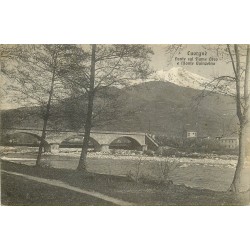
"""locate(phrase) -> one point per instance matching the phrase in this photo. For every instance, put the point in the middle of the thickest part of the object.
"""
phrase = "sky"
(161, 61)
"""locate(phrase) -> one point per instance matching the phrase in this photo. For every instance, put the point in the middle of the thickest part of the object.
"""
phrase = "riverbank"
(212, 159)
(139, 193)
(214, 172)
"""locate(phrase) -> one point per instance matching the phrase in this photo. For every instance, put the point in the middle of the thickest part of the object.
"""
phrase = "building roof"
(229, 138)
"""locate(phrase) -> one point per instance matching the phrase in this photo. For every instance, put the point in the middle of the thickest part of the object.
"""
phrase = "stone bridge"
(100, 139)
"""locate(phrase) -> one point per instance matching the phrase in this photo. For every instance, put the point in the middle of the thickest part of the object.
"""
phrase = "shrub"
(165, 168)
(149, 152)
(191, 145)
(45, 164)
(135, 176)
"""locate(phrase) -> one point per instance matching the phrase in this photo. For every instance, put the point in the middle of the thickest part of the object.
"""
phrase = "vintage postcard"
(125, 124)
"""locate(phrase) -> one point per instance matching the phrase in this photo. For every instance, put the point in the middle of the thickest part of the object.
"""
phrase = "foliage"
(235, 84)
(165, 168)
(136, 175)
(102, 67)
(36, 74)
(30, 70)
(149, 152)
(182, 147)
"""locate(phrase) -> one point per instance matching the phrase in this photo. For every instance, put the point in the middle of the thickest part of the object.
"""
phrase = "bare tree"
(235, 85)
(102, 67)
(242, 105)
(35, 73)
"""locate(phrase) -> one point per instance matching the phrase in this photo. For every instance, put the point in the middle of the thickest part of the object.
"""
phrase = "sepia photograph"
(125, 124)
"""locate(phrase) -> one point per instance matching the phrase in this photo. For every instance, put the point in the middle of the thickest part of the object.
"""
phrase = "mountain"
(181, 77)
(166, 108)
(185, 78)
(159, 107)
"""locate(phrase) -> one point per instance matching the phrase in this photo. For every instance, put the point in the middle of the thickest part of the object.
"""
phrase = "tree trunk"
(41, 145)
(82, 165)
(243, 116)
(45, 121)
(236, 184)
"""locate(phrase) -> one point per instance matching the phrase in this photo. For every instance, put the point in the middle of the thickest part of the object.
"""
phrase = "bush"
(169, 141)
(149, 152)
(190, 146)
(163, 170)
(45, 164)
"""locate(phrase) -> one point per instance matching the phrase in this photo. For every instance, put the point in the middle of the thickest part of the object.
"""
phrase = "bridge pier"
(54, 148)
(103, 148)
(139, 141)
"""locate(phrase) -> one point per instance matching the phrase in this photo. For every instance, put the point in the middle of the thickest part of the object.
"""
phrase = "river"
(214, 174)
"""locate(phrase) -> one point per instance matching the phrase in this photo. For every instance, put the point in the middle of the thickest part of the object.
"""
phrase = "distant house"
(229, 142)
(191, 134)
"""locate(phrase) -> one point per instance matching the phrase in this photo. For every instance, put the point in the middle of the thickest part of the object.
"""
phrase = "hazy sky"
(160, 61)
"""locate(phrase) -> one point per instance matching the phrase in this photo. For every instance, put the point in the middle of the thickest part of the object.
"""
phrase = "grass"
(140, 193)
(215, 176)
(18, 191)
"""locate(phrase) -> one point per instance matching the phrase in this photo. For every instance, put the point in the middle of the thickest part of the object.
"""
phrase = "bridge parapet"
(102, 138)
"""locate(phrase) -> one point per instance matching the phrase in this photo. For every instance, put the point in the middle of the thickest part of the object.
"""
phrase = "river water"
(213, 174)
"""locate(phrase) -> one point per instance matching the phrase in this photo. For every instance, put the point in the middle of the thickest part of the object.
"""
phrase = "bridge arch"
(125, 142)
(77, 140)
(39, 138)
(101, 139)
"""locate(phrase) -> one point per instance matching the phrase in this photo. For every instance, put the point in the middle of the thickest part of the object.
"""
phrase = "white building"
(229, 142)
(191, 134)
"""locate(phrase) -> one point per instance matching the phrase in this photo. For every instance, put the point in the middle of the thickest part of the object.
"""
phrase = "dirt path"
(68, 187)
